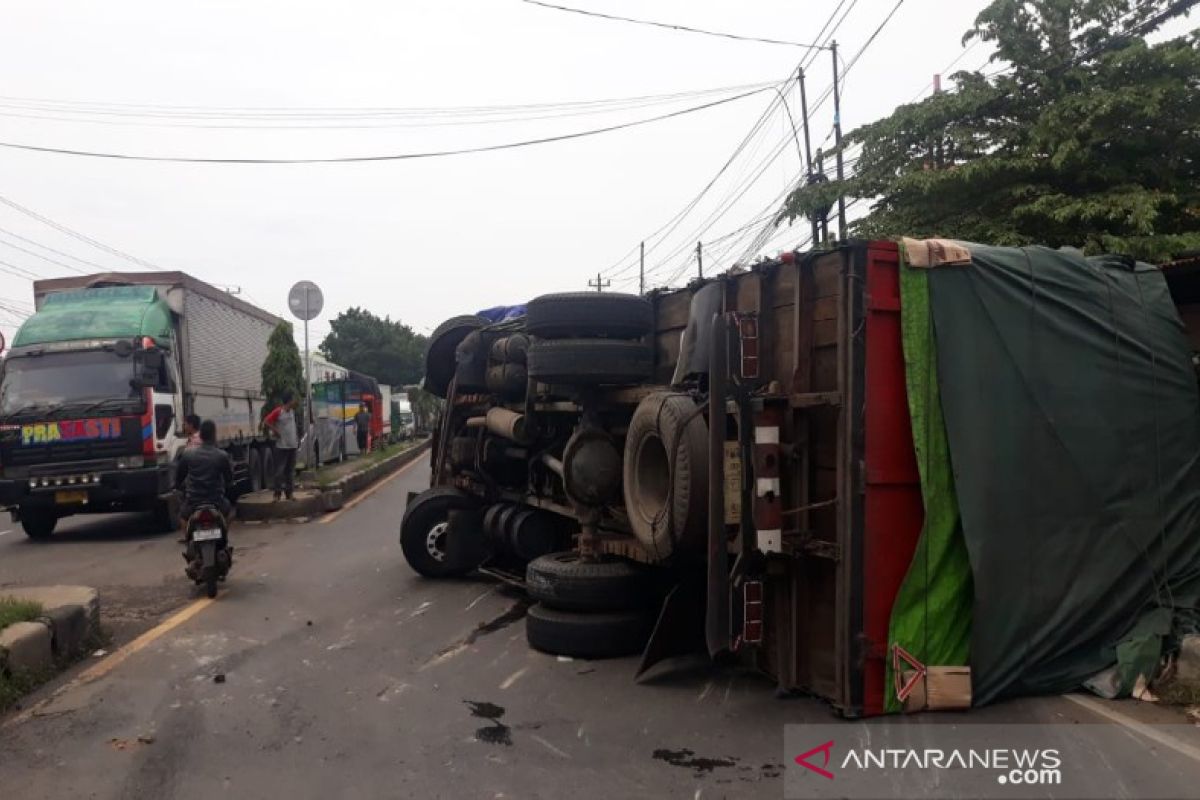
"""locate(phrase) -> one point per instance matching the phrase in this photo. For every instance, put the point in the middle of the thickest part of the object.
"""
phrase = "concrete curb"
(313, 502)
(70, 621)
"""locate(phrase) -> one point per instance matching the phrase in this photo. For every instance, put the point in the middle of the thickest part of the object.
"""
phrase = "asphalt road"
(327, 668)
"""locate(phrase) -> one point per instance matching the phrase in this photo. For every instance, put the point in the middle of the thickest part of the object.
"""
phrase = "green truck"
(95, 387)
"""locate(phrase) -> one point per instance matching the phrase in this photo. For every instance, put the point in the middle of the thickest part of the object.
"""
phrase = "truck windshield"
(56, 380)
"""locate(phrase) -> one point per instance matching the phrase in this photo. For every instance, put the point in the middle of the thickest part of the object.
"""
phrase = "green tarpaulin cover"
(1071, 423)
(109, 312)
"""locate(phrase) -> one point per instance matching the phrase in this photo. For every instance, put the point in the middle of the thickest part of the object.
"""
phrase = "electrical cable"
(390, 157)
(680, 28)
(58, 226)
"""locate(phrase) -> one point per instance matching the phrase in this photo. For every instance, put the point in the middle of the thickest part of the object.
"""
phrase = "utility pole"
(599, 285)
(700, 259)
(837, 139)
(808, 168)
(642, 270)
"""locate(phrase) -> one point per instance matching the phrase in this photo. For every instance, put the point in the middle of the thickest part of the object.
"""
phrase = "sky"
(421, 240)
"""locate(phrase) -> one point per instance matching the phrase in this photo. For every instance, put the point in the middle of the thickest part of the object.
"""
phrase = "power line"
(220, 120)
(51, 249)
(668, 26)
(47, 259)
(392, 157)
(58, 226)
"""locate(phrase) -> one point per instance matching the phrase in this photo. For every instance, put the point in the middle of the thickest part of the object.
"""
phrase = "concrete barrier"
(312, 502)
(69, 623)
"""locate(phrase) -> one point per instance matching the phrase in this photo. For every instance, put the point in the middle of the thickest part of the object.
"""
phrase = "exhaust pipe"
(508, 424)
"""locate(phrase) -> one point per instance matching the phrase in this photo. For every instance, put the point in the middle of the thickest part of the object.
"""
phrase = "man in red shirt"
(282, 423)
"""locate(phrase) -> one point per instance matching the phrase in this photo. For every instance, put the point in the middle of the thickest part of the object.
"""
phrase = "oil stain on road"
(497, 732)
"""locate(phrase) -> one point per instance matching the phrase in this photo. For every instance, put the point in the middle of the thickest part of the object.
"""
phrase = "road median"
(53, 626)
(316, 500)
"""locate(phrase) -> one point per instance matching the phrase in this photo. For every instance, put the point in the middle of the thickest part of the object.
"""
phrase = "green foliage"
(391, 352)
(284, 369)
(1089, 137)
(13, 610)
(425, 407)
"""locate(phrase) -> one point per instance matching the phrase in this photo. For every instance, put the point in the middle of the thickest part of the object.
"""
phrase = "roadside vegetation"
(13, 610)
(330, 474)
(12, 686)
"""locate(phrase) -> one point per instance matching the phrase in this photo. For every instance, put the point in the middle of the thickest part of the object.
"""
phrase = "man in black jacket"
(204, 475)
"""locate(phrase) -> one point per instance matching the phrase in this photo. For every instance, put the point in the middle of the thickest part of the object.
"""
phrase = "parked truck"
(95, 387)
(758, 467)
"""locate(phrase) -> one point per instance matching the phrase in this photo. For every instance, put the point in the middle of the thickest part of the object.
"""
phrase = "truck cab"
(89, 404)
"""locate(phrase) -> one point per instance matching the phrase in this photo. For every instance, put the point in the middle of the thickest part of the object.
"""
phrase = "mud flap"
(208, 555)
(679, 630)
(465, 545)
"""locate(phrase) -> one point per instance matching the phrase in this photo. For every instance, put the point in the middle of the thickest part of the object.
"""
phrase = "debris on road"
(219, 677)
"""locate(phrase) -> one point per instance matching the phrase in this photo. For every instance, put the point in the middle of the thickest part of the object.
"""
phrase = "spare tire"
(590, 361)
(609, 583)
(594, 635)
(440, 361)
(666, 474)
(587, 314)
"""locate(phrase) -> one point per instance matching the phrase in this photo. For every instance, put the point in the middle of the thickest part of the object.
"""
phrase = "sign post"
(305, 301)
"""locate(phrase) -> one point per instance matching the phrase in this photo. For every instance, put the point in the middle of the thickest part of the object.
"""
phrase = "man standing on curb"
(282, 422)
(362, 427)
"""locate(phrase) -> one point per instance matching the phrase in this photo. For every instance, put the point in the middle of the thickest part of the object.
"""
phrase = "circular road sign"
(305, 300)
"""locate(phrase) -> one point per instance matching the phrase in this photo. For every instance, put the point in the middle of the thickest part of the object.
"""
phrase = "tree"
(388, 351)
(283, 370)
(1090, 137)
(425, 407)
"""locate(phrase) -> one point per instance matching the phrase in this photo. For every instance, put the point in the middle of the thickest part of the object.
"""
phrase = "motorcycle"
(208, 553)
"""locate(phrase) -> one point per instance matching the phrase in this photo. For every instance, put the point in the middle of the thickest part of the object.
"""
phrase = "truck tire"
(587, 314)
(666, 474)
(254, 468)
(38, 525)
(566, 582)
(440, 360)
(590, 361)
(595, 635)
(471, 361)
(423, 531)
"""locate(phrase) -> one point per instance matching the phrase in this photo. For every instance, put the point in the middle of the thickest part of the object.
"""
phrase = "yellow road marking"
(328, 518)
(102, 668)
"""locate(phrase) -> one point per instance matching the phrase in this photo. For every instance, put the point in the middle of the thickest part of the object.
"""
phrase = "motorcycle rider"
(205, 475)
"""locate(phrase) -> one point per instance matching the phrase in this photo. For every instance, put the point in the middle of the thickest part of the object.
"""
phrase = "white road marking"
(5, 533)
(477, 600)
(516, 676)
(549, 746)
(1132, 724)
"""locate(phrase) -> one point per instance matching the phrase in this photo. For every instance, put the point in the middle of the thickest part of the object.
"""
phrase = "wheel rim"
(652, 478)
(435, 541)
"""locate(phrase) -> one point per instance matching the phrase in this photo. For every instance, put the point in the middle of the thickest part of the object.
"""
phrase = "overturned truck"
(895, 475)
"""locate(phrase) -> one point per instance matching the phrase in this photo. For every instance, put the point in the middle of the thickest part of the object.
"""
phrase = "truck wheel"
(38, 525)
(594, 635)
(590, 361)
(585, 314)
(666, 474)
(166, 515)
(254, 468)
(423, 531)
(267, 468)
(440, 363)
(564, 581)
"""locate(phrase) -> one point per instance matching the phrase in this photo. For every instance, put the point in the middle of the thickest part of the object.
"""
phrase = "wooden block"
(943, 689)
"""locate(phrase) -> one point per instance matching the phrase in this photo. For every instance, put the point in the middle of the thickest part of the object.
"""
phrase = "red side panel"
(894, 512)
